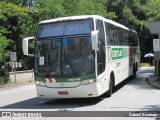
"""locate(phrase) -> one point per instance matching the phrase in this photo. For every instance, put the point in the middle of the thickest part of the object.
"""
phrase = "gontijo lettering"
(117, 53)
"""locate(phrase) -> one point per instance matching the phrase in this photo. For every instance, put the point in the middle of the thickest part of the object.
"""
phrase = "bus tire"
(111, 86)
(134, 72)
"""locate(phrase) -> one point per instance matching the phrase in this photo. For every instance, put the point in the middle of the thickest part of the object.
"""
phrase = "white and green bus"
(82, 56)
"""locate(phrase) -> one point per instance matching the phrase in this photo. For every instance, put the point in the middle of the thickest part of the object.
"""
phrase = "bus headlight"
(40, 83)
(85, 82)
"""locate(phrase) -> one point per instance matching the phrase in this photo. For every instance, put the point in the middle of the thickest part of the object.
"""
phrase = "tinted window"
(101, 44)
(65, 28)
(119, 36)
(112, 33)
(132, 39)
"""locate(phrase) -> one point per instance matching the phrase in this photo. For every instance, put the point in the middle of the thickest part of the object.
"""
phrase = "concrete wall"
(154, 27)
(22, 77)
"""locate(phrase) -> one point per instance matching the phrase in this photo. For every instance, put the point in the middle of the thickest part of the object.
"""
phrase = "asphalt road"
(131, 95)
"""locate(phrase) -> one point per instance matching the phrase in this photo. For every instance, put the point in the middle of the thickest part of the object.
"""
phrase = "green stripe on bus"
(125, 52)
(118, 53)
(40, 78)
(73, 79)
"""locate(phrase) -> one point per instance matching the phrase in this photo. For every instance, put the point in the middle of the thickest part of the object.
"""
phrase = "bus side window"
(117, 37)
(136, 39)
(125, 38)
(109, 41)
(132, 39)
(110, 34)
(101, 45)
(120, 36)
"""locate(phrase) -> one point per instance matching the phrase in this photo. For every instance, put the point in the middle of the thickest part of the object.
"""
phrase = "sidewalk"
(154, 81)
(11, 85)
(8, 85)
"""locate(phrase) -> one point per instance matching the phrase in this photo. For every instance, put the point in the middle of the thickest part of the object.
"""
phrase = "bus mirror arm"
(94, 39)
(26, 46)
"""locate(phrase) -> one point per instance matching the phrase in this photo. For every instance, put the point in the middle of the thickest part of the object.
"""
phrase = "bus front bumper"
(83, 91)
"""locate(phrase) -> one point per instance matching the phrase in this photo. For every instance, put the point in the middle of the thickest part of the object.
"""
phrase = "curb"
(5, 86)
(153, 82)
(12, 85)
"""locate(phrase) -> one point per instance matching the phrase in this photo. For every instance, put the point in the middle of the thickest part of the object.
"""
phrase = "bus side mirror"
(94, 39)
(25, 45)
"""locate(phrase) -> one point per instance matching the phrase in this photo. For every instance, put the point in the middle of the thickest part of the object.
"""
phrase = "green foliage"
(49, 9)
(130, 12)
(134, 14)
(10, 15)
(20, 18)
(153, 10)
(144, 64)
(60, 8)
(4, 42)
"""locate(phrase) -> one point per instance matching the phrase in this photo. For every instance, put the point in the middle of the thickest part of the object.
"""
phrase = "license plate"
(62, 92)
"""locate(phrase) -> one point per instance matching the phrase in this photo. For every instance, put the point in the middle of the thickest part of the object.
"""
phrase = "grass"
(18, 82)
(2, 82)
(144, 65)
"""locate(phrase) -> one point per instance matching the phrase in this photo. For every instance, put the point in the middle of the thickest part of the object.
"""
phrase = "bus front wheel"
(111, 86)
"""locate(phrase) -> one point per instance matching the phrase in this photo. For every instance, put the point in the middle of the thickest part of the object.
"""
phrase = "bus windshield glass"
(65, 28)
(64, 56)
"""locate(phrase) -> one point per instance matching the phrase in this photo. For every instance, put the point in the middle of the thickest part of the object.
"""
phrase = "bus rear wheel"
(134, 72)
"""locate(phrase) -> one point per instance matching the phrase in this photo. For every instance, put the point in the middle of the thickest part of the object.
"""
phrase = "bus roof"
(85, 17)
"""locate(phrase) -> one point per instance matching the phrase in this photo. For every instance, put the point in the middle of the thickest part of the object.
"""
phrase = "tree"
(4, 41)
(49, 9)
(20, 18)
(10, 17)
(134, 14)
(153, 10)
(90, 7)
(60, 8)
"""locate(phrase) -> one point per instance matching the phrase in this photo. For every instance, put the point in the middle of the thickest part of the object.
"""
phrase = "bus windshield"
(65, 28)
(64, 56)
